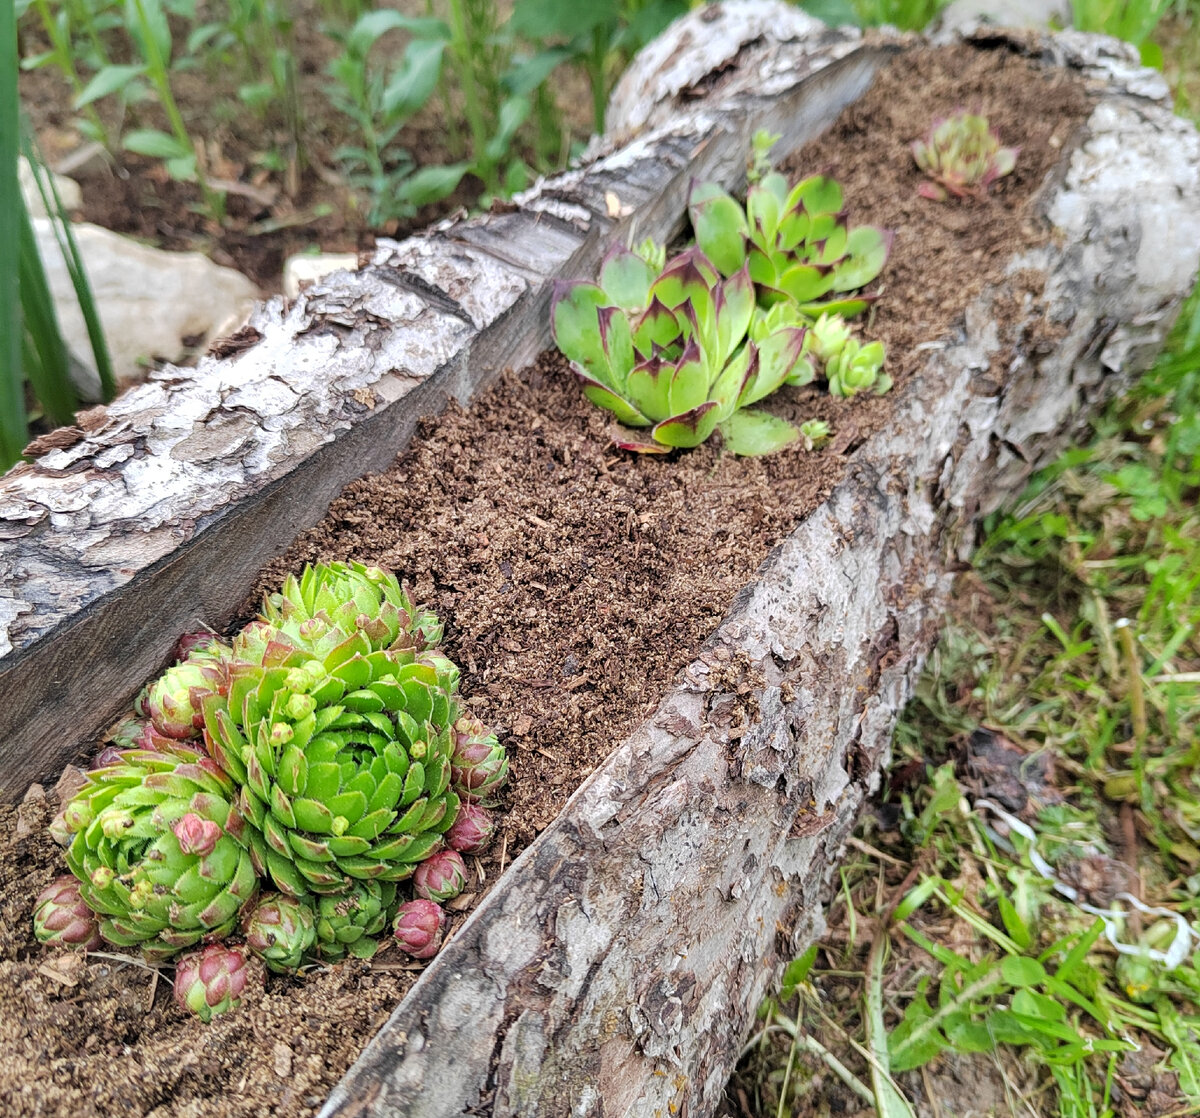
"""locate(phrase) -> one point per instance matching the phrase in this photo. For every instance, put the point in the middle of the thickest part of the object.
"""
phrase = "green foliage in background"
(32, 352)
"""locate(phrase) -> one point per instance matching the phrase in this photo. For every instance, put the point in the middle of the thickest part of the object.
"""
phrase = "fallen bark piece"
(617, 967)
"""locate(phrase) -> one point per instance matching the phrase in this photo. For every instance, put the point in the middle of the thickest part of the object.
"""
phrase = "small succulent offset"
(418, 928)
(215, 979)
(61, 917)
(441, 878)
(963, 157)
(795, 242)
(670, 351)
(279, 930)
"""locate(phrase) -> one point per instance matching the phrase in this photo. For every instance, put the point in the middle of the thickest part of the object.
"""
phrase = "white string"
(1113, 916)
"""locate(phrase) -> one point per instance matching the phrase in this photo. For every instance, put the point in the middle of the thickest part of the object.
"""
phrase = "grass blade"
(60, 222)
(13, 430)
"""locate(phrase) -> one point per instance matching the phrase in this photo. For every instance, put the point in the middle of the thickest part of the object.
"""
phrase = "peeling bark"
(159, 510)
(616, 969)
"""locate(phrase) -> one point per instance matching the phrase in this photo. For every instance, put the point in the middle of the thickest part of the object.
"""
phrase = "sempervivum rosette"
(350, 596)
(348, 923)
(174, 702)
(279, 930)
(215, 979)
(342, 754)
(161, 850)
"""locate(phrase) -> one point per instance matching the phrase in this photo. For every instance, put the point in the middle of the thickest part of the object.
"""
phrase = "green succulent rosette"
(348, 923)
(342, 754)
(161, 850)
(350, 597)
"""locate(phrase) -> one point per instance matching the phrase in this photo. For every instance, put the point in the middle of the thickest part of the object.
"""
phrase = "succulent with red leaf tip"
(279, 930)
(61, 917)
(418, 927)
(478, 763)
(962, 156)
(472, 830)
(175, 700)
(441, 877)
(215, 979)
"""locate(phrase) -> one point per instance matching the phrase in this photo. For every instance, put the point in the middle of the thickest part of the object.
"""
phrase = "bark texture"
(617, 969)
(154, 515)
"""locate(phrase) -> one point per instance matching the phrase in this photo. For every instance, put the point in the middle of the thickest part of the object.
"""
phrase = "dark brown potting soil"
(575, 582)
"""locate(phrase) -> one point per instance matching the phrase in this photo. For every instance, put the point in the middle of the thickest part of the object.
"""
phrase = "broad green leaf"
(112, 79)
(833, 248)
(528, 75)
(689, 429)
(415, 80)
(374, 25)
(1019, 970)
(866, 252)
(549, 19)
(721, 231)
(626, 278)
(431, 184)
(750, 432)
(155, 144)
(763, 270)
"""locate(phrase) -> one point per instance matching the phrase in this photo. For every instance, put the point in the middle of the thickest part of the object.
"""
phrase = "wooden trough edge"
(616, 968)
(154, 516)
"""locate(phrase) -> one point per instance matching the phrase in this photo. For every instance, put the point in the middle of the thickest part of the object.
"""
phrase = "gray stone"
(152, 304)
(1038, 14)
(68, 190)
(307, 267)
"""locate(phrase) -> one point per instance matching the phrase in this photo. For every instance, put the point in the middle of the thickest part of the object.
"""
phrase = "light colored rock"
(307, 267)
(68, 190)
(1038, 14)
(152, 304)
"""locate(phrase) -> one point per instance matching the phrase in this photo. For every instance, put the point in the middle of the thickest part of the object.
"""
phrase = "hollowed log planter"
(616, 967)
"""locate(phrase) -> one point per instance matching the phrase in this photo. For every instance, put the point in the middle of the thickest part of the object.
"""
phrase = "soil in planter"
(575, 581)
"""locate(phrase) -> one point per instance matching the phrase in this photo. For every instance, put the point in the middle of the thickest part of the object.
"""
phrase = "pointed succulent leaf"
(689, 381)
(816, 194)
(649, 387)
(656, 327)
(575, 326)
(605, 398)
(720, 226)
(689, 429)
(805, 282)
(733, 315)
(617, 342)
(750, 432)
(733, 379)
(867, 251)
(764, 208)
(778, 355)
(626, 278)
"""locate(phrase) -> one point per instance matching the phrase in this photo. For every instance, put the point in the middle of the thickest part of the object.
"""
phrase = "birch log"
(616, 968)
(154, 515)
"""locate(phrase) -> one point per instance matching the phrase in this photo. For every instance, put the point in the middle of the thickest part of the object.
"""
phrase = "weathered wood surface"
(155, 515)
(616, 969)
